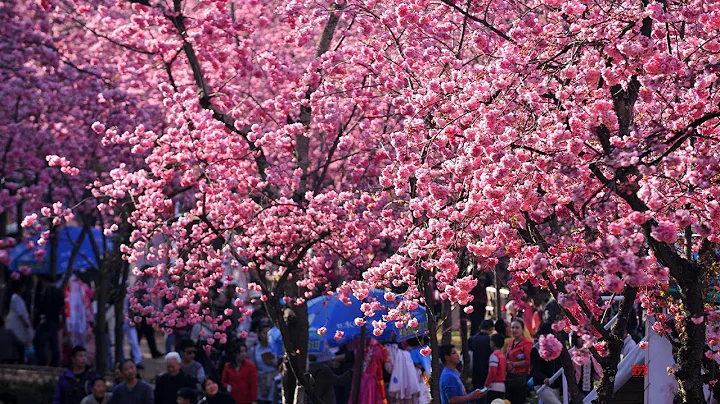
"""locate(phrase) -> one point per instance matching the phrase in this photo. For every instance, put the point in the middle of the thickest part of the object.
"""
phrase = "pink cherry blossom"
(550, 347)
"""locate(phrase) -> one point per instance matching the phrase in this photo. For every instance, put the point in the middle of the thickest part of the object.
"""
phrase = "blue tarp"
(331, 313)
(24, 256)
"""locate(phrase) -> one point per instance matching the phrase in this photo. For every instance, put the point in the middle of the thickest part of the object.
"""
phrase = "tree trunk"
(294, 330)
(4, 275)
(100, 323)
(690, 355)
(432, 331)
(120, 311)
(446, 318)
(606, 389)
(464, 345)
(569, 370)
(53, 252)
(357, 367)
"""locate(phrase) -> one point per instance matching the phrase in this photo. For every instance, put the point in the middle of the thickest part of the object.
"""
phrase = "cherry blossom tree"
(575, 138)
(53, 89)
(578, 139)
(276, 132)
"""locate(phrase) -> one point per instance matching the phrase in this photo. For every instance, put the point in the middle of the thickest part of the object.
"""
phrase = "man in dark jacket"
(132, 390)
(543, 370)
(325, 378)
(480, 346)
(47, 322)
(75, 383)
(168, 384)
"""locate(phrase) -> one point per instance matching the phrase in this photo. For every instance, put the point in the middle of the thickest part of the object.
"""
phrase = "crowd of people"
(505, 362)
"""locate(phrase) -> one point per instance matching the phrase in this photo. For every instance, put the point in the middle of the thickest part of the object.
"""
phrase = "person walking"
(168, 384)
(452, 390)
(48, 317)
(132, 390)
(99, 394)
(240, 377)
(75, 383)
(18, 318)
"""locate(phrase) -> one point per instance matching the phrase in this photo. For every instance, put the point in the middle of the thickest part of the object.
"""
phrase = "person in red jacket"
(240, 377)
(497, 368)
(518, 363)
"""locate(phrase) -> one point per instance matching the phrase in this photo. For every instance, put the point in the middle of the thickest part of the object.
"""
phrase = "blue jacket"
(71, 388)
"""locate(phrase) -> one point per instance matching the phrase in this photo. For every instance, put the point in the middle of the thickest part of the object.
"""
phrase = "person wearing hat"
(324, 378)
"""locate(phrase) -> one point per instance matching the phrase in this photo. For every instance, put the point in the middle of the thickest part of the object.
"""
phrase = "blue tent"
(24, 256)
(331, 313)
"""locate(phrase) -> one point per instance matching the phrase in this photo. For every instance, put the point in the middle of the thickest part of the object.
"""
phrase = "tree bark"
(606, 389)
(569, 369)
(100, 323)
(293, 325)
(357, 367)
(690, 355)
(446, 318)
(120, 311)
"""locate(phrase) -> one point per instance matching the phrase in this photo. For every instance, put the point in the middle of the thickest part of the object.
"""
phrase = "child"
(497, 368)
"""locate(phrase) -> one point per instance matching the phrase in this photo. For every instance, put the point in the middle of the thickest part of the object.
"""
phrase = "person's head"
(172, 362)
(577, 341)
(449, 355)
(263, 333)
(220, 300)
(517, 327)
(241, 353)
(78, 355)
(187, 350)
(17, 286)
(117, 370)
(501, 327)
(231, 291)
(186, 395)
(486, 325)
(129, 371)
(497, 341)
(211, 386)
(99, 387)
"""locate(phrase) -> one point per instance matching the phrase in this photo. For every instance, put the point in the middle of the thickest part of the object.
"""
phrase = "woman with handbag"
(518, 363)
(18, 319)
